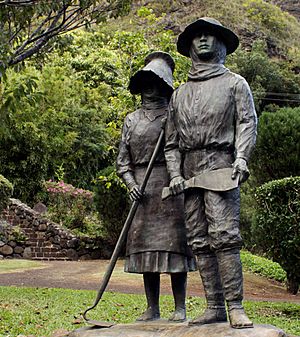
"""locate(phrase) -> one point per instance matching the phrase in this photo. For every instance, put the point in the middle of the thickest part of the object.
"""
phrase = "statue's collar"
(152, 114)
(205, 71)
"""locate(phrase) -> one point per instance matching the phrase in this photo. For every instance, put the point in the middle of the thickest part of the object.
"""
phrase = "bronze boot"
(178, 281)
(151, 285)
(230, 267)
(209, 272)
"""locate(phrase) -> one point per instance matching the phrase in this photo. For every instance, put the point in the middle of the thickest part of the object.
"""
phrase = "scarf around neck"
(201, 71)
(205, 71)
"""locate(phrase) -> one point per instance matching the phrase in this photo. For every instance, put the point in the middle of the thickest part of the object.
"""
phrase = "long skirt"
(156, 241)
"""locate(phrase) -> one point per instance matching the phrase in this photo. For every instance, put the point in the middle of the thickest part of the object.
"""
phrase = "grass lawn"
(41, 311)
(7, 266)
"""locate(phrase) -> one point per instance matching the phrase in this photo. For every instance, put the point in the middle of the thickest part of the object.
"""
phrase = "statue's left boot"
(178, 281)
(230, 268)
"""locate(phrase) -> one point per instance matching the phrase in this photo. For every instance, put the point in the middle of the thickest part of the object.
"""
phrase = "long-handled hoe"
(121, 240)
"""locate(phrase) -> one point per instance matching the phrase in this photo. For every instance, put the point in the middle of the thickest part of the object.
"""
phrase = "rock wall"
(46, 240)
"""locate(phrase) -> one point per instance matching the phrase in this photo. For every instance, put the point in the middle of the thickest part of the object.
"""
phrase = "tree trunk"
(292, 283)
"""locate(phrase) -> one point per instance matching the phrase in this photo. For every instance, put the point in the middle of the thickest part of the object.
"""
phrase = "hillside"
(290, 6)
(274, 21)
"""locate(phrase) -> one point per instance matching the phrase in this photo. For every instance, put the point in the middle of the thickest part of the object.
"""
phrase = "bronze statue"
(156, 241)
(211, 126)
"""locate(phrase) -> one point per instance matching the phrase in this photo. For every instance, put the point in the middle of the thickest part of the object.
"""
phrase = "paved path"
(88, 275)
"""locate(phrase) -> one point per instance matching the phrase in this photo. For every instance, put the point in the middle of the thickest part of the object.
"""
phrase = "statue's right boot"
(215, 311)
(151, 285)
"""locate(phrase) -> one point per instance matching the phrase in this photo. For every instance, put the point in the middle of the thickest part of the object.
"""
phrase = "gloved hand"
(240, 168)
(135, 193)
(177, 185)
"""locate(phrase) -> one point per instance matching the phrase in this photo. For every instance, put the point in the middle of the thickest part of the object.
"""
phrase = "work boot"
(239, 319)
(151, 285)
(178, 281)
(230, 268)
(209, 272)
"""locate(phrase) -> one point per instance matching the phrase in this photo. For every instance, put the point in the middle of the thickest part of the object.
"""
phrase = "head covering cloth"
(158, 66)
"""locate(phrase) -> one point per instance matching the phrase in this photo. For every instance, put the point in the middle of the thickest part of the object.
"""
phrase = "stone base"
(165, 329)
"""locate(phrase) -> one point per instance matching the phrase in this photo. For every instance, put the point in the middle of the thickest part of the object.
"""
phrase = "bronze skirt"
(159, 262)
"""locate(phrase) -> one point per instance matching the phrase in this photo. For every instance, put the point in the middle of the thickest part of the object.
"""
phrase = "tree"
(272, 81)
(28, 25)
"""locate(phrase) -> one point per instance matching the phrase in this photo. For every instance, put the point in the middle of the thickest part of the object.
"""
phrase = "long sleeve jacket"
(214, 114)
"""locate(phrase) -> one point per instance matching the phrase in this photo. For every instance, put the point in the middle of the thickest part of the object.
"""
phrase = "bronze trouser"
(212, 220)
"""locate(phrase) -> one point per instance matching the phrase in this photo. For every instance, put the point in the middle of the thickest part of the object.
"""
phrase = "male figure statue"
(211, 125)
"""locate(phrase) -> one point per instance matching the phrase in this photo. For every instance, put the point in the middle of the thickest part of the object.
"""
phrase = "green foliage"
(265, 76)
(69, 113)
(277, 225)
(247, 213)
(41, 311)
(262, 266)
(59, 126)
(27, 27)
(270, 19)
(277, 150)
(112, 203)
(11, 233)
(73, 208)
(6, 190)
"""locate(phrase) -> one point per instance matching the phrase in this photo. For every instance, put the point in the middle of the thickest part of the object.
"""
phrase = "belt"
(212, 148)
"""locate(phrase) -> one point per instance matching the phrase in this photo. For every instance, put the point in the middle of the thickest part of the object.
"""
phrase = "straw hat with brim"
(213, 26)
(159, 66)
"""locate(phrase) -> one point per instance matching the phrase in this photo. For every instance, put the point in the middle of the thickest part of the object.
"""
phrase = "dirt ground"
(88, 275)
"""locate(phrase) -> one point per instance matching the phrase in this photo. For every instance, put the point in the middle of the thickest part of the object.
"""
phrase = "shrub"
(6, 190)
(112, 203)
(276, 154)
(73, 208)
(262, 266)
(277, 225)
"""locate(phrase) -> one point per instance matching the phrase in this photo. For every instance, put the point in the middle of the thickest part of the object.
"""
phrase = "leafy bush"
(276, 154)
(277, 226)
(56, 123)
(9, 232)
(73, 208)
(112, 203)
(262, 266)
(6, 190)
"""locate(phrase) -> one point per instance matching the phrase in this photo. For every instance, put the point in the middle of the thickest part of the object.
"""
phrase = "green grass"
(7, 266)
(262, 266)
(41, 311)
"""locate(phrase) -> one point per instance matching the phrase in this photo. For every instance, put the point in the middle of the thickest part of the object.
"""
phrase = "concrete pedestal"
(165, 329)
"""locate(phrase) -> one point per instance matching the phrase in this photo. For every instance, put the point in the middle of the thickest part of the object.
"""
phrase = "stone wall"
(46, 240)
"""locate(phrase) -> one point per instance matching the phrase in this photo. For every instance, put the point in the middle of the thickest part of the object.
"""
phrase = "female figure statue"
(156, 241)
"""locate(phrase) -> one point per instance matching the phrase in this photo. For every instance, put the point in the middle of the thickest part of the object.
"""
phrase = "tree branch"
(30, 33)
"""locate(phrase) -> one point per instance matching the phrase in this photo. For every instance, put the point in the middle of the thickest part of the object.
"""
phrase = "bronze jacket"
(212, 116)
(158, 225)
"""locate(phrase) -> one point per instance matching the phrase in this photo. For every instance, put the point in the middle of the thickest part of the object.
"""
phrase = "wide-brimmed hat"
(158, 66)
(228, 37)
